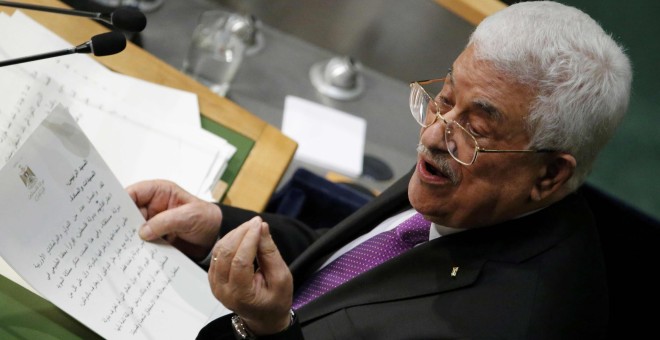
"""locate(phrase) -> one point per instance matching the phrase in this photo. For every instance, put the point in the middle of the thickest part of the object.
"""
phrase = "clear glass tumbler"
(217, 48)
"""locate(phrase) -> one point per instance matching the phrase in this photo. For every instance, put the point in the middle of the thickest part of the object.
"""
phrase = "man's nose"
(433, 136)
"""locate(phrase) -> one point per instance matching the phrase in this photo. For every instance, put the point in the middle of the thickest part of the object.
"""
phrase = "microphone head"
(128, 19)
(108, 43)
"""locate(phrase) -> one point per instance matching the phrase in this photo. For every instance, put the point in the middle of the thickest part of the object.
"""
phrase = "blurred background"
(399, 41)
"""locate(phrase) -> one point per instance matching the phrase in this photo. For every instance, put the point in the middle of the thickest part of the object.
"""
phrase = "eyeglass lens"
(460, 144)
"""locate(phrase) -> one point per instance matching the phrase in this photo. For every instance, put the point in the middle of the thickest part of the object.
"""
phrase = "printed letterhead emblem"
(34, 185)
(28, 177)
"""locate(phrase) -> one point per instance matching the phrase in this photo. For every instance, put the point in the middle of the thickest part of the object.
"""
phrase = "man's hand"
(262, 298)
(187, 222)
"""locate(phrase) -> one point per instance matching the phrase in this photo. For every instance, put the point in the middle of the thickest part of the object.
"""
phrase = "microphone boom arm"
(38, 57)
(50, 9)
(100, 45)
(123, 18)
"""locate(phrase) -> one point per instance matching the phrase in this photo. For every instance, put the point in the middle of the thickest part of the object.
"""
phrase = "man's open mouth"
(435, 167)
(433, 170)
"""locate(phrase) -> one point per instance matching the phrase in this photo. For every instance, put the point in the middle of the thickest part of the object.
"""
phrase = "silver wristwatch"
(244, 333)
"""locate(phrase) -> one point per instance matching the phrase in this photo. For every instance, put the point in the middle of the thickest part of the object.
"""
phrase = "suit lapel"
(427, 269)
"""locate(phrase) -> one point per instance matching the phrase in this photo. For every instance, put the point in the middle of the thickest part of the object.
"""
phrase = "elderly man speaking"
(485, 238)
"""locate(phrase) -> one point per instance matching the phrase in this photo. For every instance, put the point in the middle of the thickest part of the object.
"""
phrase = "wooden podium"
(267, 159)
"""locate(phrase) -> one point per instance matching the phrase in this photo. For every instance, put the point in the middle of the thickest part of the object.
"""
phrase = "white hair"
(581, 75)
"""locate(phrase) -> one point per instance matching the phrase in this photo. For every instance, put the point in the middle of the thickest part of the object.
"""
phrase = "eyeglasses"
(461, 144)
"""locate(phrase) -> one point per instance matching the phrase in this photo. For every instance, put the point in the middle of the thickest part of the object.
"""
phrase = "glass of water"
(217, 48)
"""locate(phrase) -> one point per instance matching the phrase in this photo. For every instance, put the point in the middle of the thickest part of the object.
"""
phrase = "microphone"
(123, 18)
(100, 45)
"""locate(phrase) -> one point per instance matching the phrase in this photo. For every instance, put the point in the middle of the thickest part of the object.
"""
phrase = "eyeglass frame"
(477, 148)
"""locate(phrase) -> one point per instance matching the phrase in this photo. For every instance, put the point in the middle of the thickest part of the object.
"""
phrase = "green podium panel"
(243, 146)
(25, 315)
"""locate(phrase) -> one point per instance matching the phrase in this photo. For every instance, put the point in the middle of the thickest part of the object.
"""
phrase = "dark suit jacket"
(537, 277)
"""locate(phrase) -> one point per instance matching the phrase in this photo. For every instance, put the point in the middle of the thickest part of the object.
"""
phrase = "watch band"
(241, 329)
(244, 333)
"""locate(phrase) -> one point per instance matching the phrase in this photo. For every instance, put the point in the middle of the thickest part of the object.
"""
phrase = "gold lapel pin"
(454, 271)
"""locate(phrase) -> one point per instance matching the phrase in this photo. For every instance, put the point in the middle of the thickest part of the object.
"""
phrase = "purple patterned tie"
(363, 257)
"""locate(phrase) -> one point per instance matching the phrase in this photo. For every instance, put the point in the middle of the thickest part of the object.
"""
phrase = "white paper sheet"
(134, 150)
(70, 230)
(143, 130)
(90, 80)
(326, 137)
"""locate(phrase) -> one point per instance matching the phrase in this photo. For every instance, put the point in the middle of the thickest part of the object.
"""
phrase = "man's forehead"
(483, 104)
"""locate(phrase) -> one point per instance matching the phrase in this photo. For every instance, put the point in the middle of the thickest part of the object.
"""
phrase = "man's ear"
(553, 175)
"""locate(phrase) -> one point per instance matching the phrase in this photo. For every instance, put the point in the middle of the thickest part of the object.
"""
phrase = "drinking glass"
(217, 48)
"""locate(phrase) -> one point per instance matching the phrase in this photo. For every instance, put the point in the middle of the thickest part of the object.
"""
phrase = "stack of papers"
(142, 130)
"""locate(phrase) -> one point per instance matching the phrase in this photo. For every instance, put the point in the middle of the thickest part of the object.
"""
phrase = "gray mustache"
(440, 162)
